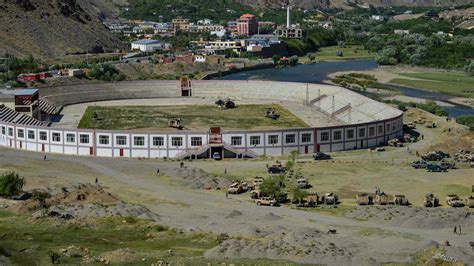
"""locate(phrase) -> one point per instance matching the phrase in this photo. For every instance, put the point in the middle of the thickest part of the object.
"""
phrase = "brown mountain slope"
(54, 28)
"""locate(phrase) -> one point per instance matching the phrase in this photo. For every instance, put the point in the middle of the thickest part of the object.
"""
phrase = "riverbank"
(430, 83)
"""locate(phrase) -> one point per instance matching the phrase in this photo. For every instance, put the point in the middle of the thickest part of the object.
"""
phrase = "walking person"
(455, 230)
(157, 171)
(96, 180)
(44, 158)
(181, 165)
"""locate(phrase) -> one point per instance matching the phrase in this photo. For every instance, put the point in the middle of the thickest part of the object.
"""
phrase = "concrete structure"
(289, 31)
(27, 102)
(148, 45)
(345, 121)
(180, 23)
(247, 25)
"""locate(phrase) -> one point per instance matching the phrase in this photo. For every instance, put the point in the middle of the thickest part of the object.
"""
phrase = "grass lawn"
(329, 53)
(197, 117)
(27, 242)
(449, 83)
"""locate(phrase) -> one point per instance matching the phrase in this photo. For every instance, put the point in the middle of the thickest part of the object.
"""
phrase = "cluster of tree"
(314, 39)
(106, 72)
(429, 106)
(418, 49)
(467, 120)
(11, 184)
(218, 10)
(11, 66)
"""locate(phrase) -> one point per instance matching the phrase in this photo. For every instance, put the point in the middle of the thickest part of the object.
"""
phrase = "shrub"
(11, 184)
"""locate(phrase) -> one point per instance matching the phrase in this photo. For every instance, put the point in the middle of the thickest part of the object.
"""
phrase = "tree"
(270, 187)
(298, 194)
(293, 60)
(470, 69)
(11, 184)
(276, 59)
(311, 57)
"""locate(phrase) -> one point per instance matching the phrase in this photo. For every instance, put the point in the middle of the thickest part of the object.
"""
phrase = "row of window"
(197, 141)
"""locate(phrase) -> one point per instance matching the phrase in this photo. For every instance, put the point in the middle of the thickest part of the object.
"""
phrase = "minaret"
(288, 20)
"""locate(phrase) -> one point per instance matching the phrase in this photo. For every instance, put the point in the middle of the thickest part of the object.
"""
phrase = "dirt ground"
(364, 235)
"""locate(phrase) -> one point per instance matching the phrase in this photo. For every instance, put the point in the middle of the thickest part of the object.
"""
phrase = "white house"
(148, 45)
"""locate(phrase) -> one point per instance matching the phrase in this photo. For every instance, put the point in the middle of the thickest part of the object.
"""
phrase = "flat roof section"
(26, 92)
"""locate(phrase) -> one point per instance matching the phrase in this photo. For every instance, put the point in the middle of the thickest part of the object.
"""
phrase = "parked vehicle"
(216, 156)
(470, 202)
(430, 200)
(321, 156)
(453, 200)
(400, 200)
(435, 168)
(266, 201)
(363, 199)
(330, 199)
(420, 164)
(302, 183)
(276, 169)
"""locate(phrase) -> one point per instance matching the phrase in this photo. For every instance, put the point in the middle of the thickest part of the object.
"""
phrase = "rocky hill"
(56, 28)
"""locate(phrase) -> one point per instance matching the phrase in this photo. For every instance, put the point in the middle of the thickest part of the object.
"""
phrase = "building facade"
(247, 25)
(370, 124)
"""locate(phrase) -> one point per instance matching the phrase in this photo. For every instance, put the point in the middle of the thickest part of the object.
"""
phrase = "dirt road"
(179, 207)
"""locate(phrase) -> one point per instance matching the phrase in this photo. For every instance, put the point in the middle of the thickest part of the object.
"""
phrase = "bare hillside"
(55, 28)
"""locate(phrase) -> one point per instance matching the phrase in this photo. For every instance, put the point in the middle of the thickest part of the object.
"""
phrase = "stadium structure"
(338, 119)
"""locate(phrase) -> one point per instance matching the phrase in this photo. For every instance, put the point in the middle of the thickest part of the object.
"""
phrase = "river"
(318, 73)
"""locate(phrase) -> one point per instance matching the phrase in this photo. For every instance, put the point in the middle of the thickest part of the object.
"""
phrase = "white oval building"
(339, 119)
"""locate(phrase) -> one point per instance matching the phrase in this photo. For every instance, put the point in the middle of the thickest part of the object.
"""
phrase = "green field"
(449, 83)
(329, 53)
(197, 117)
(27, 242)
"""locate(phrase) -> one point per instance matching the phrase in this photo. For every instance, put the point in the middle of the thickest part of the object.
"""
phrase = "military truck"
(435, 156)
(277, 168)
(228, 103)
(470, 202)
(463, 156)
(432, 167)
(454, 201)
(395, 143)
(419, 120)
(420, 164)
(431, 124)
(303, 183)
(257, 181)
(382, 199)
(430, 200)
(400, 200)
(237, 188)
(446, 164)
(411, 125)
(330, 199)
(255, 194)
(266, 201)
(272, 113)
(175, 123)
(364, 199)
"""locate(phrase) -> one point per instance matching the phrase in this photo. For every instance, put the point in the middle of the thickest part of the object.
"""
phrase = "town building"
(290, 31)
(247, 25)
(149, 45)
(180, 23)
